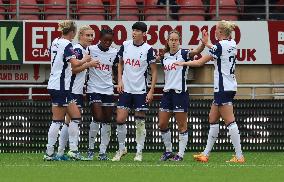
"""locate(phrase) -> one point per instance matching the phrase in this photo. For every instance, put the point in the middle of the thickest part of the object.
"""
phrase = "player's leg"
(95, 102)
(123, 107)
(108, 103)
(180, 108)
(227, 114)
(63, 139)
(58, 113)
(140, 106)
(165, 112)
(214, 117)
(97, 112)
(74, 130)
(164, 118)
(181, 118)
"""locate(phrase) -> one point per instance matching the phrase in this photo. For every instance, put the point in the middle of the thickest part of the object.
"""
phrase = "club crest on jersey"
(169, 67)
(132, 62)
(103, 67)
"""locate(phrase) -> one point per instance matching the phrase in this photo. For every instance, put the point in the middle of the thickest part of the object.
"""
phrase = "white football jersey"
(78, 80)
(175, 76)
(100, 77)
(60, 76)
(224, 54)
(136, 60)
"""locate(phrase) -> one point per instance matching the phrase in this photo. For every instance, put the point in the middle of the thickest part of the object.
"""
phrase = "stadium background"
(26, 27)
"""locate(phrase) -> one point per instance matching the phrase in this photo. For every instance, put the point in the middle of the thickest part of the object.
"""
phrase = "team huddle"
(74, 66)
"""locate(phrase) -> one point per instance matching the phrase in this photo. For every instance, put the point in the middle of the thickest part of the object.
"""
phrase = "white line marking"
(140, 165)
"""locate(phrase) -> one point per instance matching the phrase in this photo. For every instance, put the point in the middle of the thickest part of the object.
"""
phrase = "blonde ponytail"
(226, 27)
(67, 26)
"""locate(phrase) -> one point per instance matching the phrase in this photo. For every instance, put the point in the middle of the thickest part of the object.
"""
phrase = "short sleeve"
(185, 53)
(150, 56)
(79, 53)
(69, 52)
(120, 52)
(215, 51)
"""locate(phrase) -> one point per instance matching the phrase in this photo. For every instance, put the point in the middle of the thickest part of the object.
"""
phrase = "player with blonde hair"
(225, 86)
(64, 61)
(75, 98)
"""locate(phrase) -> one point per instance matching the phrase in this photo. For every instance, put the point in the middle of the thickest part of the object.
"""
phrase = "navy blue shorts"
(59, 97)
(224, 98)
(174, 102)
(103, 99)
(78, 99)
(132, 101)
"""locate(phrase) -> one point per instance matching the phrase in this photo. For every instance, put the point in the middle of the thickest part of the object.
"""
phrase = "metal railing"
(71, 10)
(252, 87)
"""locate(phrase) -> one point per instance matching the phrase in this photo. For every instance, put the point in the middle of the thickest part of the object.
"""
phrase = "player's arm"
(201, 47)
(120, 66)
(78, 69)
(196, 63)
(120, 86)
(205, 39)
(154, 73)
(152, 62)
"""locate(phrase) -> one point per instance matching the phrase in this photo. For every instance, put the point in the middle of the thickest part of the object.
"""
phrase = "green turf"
(267, 167)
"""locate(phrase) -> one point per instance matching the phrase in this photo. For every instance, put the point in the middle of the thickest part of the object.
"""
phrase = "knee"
(213, 118)
(120, 119)
(163, 125)
(182, 127)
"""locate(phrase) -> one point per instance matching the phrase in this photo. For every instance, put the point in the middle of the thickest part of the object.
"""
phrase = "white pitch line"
(141, 165)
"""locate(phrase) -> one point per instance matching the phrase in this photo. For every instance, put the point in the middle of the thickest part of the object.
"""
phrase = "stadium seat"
(192, 6)
(2, 10)
(55, 9)
(90, 6)
(226, 7)
(153, 12)
(28, 10)
(128, 10)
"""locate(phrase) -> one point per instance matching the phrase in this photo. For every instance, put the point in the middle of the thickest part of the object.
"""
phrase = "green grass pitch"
(260, 166)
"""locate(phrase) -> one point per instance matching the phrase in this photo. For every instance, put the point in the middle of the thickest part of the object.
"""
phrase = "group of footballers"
(73, 66)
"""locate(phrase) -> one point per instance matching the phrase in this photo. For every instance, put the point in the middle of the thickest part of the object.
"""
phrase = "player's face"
(87, 37)
(106, 41)
(137, 35)
(173, 41)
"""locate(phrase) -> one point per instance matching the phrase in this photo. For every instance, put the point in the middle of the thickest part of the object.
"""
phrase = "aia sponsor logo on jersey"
(169, 67)
(133, 63)
(103, 67)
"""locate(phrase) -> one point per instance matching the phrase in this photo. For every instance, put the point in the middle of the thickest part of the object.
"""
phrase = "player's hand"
(204, 38)
(149, 97)
(87, 58)
(94, 63)
(120, 87)
(178, 63)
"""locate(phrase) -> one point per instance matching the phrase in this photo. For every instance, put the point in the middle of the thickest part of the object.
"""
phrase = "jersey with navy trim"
(136, 59)
(100, 77)
(224, 55)
(60, 76)
(175, 76)
(78, 80)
